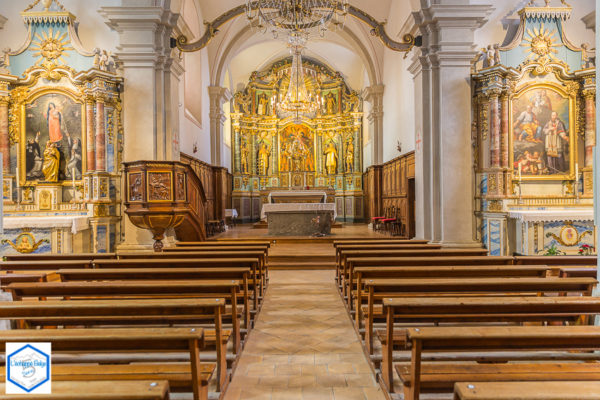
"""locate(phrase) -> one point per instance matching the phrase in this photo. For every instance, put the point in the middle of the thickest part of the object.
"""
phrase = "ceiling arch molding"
(238, 41)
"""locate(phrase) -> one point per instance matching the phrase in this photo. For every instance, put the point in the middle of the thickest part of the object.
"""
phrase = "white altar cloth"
(576, 214)
(291, 207)
(76, 223)
(298, 193)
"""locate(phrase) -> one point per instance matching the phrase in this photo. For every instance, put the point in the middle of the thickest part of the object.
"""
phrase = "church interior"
(299, 199)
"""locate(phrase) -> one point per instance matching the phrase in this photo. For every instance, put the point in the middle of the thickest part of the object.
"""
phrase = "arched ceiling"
(353, 52)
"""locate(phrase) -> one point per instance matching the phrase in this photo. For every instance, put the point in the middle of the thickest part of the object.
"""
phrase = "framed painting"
(296, 149)
(52, 138)
(542, 137)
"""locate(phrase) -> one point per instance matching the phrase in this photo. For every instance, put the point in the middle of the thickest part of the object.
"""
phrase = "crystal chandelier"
(298, 100)
(297, 16)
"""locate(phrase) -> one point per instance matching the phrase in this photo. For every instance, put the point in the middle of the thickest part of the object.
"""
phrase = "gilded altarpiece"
(273, 150)
(533, 135)
(60, 137)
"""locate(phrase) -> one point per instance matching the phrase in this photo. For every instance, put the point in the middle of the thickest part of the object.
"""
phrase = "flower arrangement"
(554, 251)
(586, 250)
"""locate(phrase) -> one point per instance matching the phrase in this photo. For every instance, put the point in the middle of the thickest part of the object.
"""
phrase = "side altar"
(534, 131)
(276, 152)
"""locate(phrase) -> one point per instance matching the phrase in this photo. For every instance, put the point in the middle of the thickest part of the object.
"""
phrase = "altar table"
(297, 196)
(299, 219)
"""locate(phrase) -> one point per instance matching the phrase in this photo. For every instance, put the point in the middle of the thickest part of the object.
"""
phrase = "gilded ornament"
(495, 205)
(25, 243)
(51, 46)
(569, 236)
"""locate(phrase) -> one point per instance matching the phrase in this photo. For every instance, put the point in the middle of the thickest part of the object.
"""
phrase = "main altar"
(534, 130)
(275, 151)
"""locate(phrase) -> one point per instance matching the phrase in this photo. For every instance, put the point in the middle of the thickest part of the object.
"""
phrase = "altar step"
(264, 225)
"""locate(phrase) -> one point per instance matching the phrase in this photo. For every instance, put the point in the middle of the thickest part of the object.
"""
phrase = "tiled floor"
(303, 345)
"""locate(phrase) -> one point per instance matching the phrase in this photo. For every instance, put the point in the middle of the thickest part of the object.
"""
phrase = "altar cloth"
(292, 207)
(76, 223)
(576, 214)
(297, 194)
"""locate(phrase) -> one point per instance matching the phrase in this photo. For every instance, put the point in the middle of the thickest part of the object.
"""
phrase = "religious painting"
(53, 147)
(542, 135)
(296, 151)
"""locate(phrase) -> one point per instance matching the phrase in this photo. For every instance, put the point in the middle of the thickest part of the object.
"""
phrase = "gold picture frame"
(530, 138)
(22, 107)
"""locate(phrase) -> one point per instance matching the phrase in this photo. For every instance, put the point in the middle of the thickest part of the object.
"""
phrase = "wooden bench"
(255, 282)
(557, 260)
(58, 257)
(378, 289)
(98, 390)
(225, 243)
(43, 265)
(472, 310)
(127, 312)
(260, 255)
(506, 271)
(107, 274)
(468, 339)
(138, 289)
(5, 279)
(581, 272)
(134, 340)
(416, 261)
(548, 390)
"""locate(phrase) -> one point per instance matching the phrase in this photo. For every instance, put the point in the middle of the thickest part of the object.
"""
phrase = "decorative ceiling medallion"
(50, 46)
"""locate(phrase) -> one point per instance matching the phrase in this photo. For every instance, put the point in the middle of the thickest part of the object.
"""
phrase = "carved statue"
(286, 158)
(263, 104)
(331, 159)
(244, 157)
(5, 60)
(51, 162)
(263, 159)
(330, 103)
(350, 156)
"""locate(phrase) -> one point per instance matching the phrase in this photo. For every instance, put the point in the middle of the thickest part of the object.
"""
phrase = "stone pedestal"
(299, 223)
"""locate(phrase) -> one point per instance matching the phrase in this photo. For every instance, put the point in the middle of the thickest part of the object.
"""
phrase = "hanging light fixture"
(298, 16)
(298, 100)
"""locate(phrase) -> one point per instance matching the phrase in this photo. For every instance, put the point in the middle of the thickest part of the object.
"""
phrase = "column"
(4, 140)
(590, 126)
(218, 96)
(448, 28)
(374, 95)
(504, 129)
(495, 128)
(144, 28)
(100, 135)
(90, 134)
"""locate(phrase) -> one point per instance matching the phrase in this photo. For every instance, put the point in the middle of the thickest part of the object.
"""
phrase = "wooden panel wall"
(217, 186)
(390, 185)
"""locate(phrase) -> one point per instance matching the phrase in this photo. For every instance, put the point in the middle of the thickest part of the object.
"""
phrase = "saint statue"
(350, 156)
(51, 162)
(331, 159)
(330, 103)
(263, 159)
(244, 158)
(286, 158)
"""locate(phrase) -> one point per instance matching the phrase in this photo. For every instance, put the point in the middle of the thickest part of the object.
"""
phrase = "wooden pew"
(405, 310)
(375, 240)
(548, 390)
(255, 278)
(137, 340)
(227, 289)
(581, 272)
(126, 312)
(260, 255)
(42, 265)
(343, 247)
(492, 271)
(469, 339)
(98, 390)
(415, 261)
(224, 243)
(107, 274)
(58, 257)
(557, 260)
(378, 289)
(5, 279)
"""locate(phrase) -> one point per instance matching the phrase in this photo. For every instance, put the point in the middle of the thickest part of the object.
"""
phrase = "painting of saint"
(296, 149)
(53, 122)
(541, 133)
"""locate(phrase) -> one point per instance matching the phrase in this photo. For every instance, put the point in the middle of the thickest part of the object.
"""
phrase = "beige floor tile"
(331, 381)
(341, 368)
(317, 394)
(288, 369)
(360, 380)
(302, 381)
(287, 394)
(348, 394)
(273, 382)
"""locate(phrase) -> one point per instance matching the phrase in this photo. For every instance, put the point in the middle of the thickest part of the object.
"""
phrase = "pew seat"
(556, 390)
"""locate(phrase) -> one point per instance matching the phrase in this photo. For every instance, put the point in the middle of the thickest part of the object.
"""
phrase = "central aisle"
(303, 345)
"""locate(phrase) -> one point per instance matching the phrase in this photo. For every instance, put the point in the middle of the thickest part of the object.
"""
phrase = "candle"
(73, 177)
(17, 177)
(576, 171)
(520, 176)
